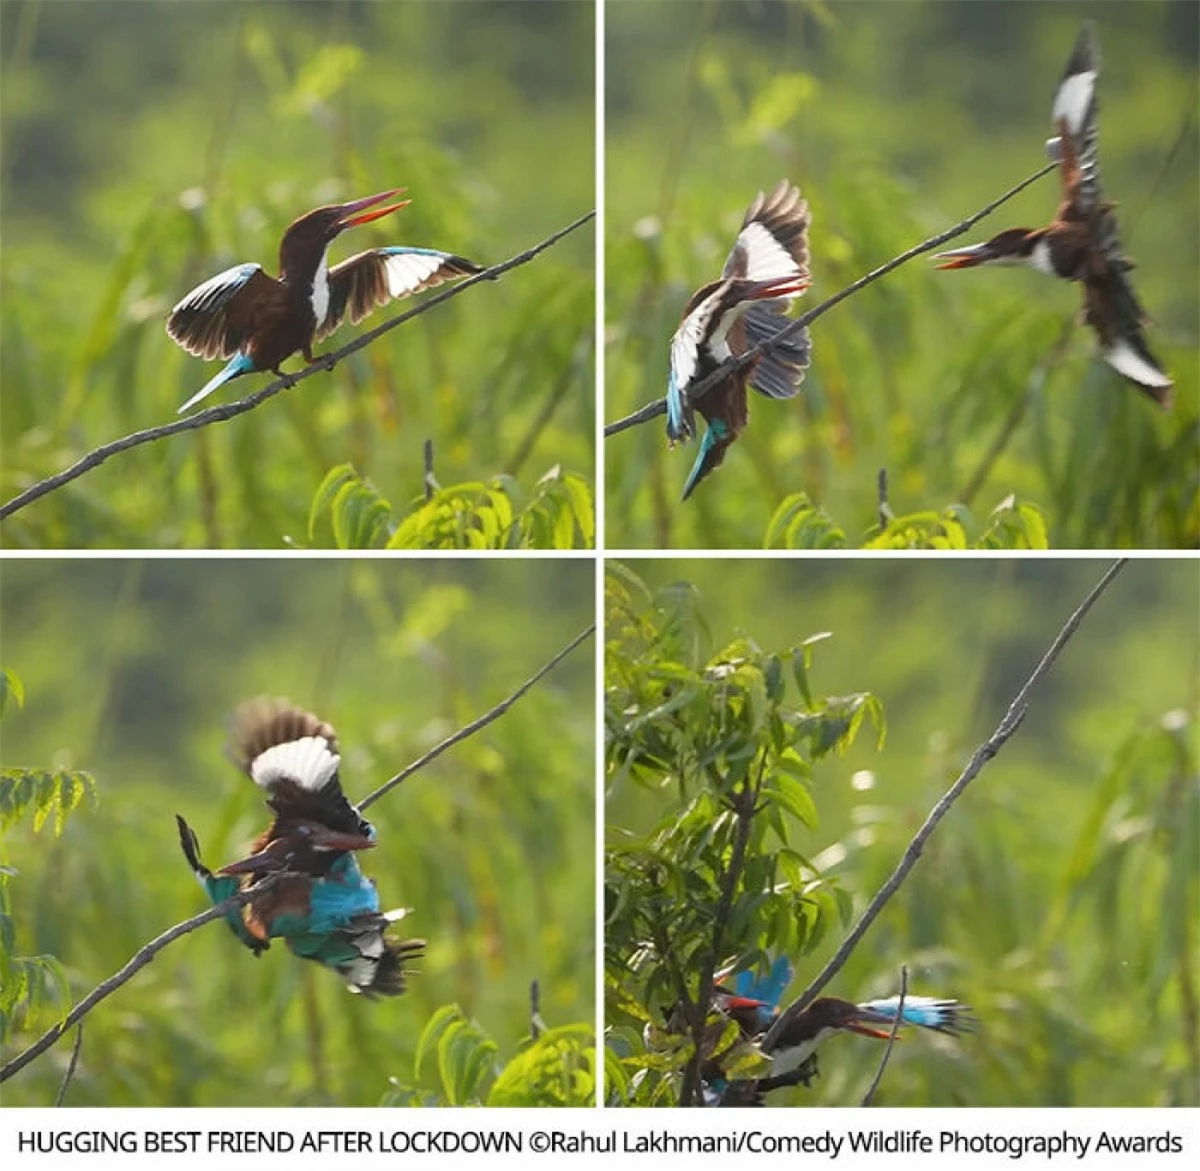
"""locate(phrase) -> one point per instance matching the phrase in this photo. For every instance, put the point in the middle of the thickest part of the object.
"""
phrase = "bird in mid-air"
(1081, 242)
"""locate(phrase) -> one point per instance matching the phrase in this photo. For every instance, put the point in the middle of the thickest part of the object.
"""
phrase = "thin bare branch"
(869, 1096)
(475, 725)
(430, 481)
(659, 406)
(1007, 726)
(140, 960)
(62, 1090)
(223, 411)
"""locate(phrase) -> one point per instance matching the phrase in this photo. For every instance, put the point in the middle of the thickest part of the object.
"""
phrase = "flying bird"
(765, 272)
(258, 321)
(325, 909)
(1081, 242)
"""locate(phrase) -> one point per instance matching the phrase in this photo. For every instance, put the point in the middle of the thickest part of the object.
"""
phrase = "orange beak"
(963, 257)
(350, 217)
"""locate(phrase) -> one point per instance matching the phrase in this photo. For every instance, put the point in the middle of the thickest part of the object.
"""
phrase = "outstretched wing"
(293, 755)
(685, 359)
(1075, 118)
(773, 242)
(215, 318)
(370, 279)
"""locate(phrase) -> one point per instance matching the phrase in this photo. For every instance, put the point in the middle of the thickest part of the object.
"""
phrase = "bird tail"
(712, 452)
(927, 1012)
(217, 887)
(238, 365)
(780, 371)
(769, 988)
(367, 960)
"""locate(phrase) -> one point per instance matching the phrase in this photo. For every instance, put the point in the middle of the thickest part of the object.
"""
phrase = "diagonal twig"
(223, 411)
(730, 365)
(1004, 730)
(62, 1090)
(869, 1096)
(142, 957)
(475, 725)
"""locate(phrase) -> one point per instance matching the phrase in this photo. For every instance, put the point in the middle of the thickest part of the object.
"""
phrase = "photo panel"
(176, 732)
(768, 161)
(206, 200)
(847, 799)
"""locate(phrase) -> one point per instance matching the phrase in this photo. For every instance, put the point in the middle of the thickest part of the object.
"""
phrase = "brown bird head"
(1011, 246)
(306, 239)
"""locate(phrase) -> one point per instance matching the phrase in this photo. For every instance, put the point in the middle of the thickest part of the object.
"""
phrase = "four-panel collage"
(544, 564)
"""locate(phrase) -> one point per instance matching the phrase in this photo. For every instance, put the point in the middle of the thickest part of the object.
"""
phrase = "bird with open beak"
(257, 321)
(1081, 242)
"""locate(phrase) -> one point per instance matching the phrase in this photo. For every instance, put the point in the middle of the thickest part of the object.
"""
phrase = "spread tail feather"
(238, 365)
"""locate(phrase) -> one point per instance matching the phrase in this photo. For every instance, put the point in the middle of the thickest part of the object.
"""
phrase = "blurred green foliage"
(131, 669)
(897, 120)
(468, 516)
(1061, 894)
(149, 146)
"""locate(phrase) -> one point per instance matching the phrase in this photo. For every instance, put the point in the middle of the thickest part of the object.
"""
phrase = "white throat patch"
(320, 288)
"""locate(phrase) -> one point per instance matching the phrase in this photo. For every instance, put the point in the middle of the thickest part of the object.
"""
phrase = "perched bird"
(325, 908)
(1081, 242)
(765, 272)
(793, 1052)
(258, 321)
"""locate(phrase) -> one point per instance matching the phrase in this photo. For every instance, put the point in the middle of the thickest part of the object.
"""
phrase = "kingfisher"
(1081, 242)
(753, 1003)
(258, 321)
(326, 909)
(764, 273)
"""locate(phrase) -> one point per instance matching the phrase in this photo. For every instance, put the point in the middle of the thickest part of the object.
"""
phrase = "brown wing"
(215, 318)
(370, 279)
(293, 755)
(773, 241)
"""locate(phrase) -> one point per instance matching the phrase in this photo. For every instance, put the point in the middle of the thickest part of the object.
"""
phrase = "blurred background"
(131, 670)
(897, 120)
(148, 146)
(1059, 896)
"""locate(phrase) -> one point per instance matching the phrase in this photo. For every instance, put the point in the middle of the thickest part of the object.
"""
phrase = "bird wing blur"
(323, 907)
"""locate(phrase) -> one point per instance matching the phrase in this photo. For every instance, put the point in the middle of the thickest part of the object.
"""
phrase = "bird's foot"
(326, 361)
(288, 380)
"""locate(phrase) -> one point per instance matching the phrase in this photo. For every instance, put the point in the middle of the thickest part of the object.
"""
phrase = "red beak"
(963, 257)
(349, 218)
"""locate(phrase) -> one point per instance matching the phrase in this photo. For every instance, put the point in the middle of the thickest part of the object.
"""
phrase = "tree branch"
(140, 960)
(62, 1089)
(223, 411)
(475, 725)
(747, 801)
(1007, 726)
(694, 394)
(869, 1096)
